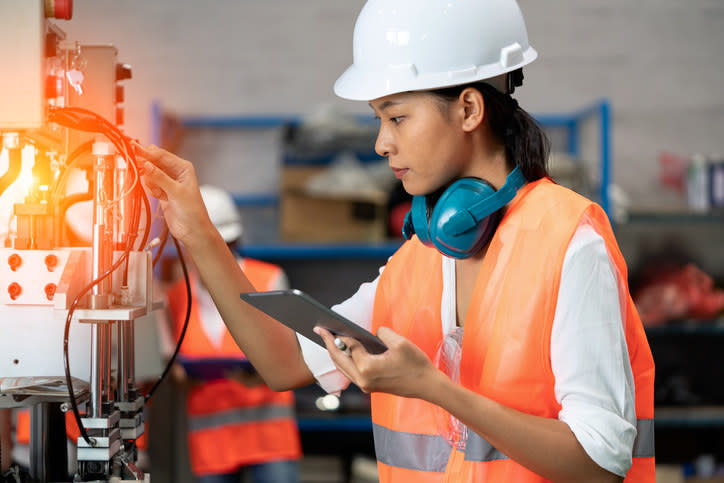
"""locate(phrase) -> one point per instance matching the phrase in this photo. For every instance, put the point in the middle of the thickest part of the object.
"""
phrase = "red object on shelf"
(62, 9)
(672, 171)
(677, 292)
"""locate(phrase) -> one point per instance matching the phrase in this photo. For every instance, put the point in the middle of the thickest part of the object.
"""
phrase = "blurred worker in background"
(515, 352)
(236, 424)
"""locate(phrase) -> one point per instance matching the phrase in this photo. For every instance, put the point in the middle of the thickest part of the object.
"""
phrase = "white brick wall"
(660, 62)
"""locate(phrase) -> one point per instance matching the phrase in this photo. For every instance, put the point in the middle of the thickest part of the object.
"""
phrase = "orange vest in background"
(22, 426)
(231, 425)
(506, 341)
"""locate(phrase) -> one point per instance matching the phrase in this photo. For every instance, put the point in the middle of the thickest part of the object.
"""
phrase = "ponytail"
(526, 145)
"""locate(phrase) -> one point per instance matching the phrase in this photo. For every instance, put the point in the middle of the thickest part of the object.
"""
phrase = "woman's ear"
(473, 104)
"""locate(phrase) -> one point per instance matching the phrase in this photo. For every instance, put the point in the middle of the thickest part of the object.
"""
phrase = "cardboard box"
(669, 474)
(306, 217)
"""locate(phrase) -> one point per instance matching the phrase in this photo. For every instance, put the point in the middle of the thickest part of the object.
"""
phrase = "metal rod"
(101, 254)
(122, 365)
(99, 223)
(122, 207)
(106, 358)
(96, 394)
(131, 352)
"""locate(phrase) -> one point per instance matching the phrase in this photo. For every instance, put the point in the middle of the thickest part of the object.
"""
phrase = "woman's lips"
(399, 172)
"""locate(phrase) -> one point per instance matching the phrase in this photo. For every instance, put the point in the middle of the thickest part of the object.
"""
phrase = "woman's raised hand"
(173, 181)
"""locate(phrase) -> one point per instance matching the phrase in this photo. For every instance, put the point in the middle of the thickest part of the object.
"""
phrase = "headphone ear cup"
(462, 194)
(420, 220)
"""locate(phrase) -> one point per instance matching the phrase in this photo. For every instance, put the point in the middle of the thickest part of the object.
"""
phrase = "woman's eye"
(396, 120)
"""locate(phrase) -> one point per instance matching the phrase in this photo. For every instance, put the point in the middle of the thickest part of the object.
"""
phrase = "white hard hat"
(223, 212)
(408, 45)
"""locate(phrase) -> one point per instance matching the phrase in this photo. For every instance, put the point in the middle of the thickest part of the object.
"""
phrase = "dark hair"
(526, 145)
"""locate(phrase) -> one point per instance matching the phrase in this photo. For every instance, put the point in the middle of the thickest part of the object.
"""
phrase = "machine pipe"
(15, 161)
(102, 254)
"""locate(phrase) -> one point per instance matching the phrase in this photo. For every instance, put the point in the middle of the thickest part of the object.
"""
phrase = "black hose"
(70, 200)
(186, 323)
(161, 246)
(66, 359)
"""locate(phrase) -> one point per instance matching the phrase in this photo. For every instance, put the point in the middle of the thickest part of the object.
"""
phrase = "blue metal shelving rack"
(571, 123)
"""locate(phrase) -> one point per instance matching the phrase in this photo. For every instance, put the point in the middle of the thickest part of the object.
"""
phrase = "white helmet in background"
(223, 212)
(409, 45)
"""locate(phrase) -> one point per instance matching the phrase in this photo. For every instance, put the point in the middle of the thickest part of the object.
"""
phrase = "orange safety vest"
(506, 340)
(231, 425)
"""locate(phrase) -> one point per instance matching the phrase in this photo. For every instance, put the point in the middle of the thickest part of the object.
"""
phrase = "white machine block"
(32, 324)
(22, 41)
(34, 273)
(32, 343)
(32, 332)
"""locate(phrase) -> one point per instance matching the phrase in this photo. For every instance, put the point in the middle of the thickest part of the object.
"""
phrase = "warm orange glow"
(16, 192)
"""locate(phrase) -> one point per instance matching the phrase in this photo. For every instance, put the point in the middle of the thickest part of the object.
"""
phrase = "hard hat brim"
(358, 84)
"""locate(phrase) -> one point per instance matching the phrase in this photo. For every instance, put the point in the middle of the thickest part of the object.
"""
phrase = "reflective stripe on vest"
(429, 453)
(422, 452)
(644, 443)
(238, 416)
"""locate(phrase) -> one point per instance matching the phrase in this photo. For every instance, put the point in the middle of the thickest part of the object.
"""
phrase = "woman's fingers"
(162, 171)
(169, 163)
(328, 338)
(158, 183)
(338, 348)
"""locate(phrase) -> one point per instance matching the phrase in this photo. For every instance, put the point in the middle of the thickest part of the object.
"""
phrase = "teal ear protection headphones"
(464, 218)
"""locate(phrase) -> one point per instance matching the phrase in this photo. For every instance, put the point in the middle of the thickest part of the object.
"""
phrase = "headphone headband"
(468, 218)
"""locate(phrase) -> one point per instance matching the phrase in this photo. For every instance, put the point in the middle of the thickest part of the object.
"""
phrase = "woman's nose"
(383, 145)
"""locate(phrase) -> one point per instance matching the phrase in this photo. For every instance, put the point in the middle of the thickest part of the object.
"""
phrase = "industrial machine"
(69, 299)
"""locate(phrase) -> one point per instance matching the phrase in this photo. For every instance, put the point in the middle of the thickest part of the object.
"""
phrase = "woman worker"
(515, 351)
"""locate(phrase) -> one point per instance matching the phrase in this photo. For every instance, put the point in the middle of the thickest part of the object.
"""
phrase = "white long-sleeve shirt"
(589, 357)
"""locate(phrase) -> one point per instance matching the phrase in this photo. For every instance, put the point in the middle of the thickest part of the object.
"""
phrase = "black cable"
(164, 239)
(66, 360)
(86, 120)
(147, 209)
(186, 323)
(75, 157)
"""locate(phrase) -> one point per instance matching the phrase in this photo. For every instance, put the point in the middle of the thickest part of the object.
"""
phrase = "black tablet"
(300, 312)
